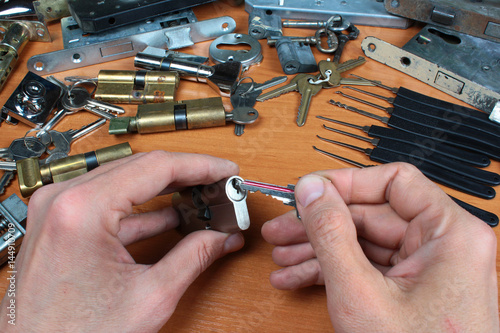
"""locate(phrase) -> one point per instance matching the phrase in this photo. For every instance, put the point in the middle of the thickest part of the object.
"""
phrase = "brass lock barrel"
(32, 175)
(136, 87)
(172, 116)
(15, 39)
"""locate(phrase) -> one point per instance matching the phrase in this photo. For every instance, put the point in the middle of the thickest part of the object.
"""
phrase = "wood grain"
(234, 295)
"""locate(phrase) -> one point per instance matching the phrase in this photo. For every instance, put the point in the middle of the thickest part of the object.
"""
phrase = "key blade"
(284, 194)
(271, 83)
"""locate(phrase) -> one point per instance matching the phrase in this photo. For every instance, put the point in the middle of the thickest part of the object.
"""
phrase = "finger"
(377, 254)
(284, 230)
(139, 180)
(145, 225)
(187, 260)
(332, 233)
(293, 254)
(397, 183)
(379, 224)
(307, 274)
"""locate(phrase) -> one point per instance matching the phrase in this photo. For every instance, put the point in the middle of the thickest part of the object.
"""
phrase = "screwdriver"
(421, 155)
(439, 175)
(466, 156)
(449, 116)
(456, 128)
(489, 218)
(432, 133)
(403, 93)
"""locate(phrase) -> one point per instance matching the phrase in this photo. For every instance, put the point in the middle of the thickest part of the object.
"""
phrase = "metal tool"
(448, 151)
(246, 93)
(33, 100)
(222, 77)
(437, 174)
(247, 58)
(464, 16)
(220, 206)
(432, 133)
(427, 155)
(416, 101)
(441, 121)
(447, 66)
(136, 87)
(181, 115)
(13, 215)
(170, 37)
(370, 13)
(489, 218)
(33, 174)
(333, 23)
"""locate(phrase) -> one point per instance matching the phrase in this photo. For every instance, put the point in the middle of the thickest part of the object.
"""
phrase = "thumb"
(332, 234)
(188, 259)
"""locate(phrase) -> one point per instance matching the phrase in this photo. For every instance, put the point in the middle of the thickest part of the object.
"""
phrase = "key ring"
(332, 40)
(37, 130)
(250, 89)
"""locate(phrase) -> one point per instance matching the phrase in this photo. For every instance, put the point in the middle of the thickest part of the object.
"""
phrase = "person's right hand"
(395, 253)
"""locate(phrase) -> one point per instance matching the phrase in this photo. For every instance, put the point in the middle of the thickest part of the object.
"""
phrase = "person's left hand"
(73, 270)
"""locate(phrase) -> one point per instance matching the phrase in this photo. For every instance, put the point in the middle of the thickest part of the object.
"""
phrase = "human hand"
(393, 250)
(73, 270)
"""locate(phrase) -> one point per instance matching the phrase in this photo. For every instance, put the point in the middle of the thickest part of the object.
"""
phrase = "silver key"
(292, 86)
(8, 165)
(23, 148)
(62, 140)
(284, 194)
(242, 115)
(5, 180)
(79, 98)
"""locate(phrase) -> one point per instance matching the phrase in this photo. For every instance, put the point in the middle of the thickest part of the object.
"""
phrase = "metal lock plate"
(136, 87)
(33, 100)
(245, 57)
(475, 18)
(220, 206)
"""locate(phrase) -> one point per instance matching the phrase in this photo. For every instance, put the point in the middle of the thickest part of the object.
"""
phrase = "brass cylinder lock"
(136, 87)
(220, 206)
(33, 175)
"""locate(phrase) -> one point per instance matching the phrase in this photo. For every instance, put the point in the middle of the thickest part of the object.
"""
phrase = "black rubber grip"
(180, 117)
(462, 155)
(440, 104)
(490, 218)
(440, 136)
(437, 174)
(449, 116)
(91, 160)
(451, 129)
(423, 155)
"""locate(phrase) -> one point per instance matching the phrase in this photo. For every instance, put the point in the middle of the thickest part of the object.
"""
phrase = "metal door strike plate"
(220, 206)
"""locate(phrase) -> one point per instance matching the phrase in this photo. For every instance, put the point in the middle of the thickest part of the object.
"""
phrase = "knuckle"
(205, 255)
(326, 223)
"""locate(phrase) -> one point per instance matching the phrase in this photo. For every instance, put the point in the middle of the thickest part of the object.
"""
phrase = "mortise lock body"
(33, 175)
(136, 87)
(220, 206)
(172, 116)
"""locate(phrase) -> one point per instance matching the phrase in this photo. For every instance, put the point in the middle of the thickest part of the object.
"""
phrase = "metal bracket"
(465, 16)
(74, 36)
(37, 30)
(171, 38)
(364, 12)
(445, 69)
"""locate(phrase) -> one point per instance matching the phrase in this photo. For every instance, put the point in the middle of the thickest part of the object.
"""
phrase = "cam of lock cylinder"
(136, 87)
(222, 77)
(220, 206)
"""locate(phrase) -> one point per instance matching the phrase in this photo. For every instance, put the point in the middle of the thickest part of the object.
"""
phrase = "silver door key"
(79, 98)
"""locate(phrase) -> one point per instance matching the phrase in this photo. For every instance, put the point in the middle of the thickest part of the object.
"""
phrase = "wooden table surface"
(234, 295)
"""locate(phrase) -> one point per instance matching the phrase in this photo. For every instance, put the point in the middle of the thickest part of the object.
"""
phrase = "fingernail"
(233, 243)
(309, 189)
